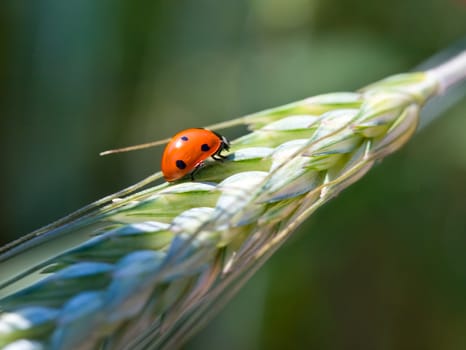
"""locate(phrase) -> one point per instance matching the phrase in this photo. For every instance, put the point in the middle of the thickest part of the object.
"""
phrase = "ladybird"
(188, 150)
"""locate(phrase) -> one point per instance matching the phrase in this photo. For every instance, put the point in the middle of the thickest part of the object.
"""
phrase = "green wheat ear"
(140, 270)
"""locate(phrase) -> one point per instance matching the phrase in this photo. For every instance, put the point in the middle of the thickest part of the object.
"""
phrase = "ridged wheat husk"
(146, 269)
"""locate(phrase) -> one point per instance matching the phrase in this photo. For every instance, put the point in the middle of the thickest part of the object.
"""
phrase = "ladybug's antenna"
(135, 147)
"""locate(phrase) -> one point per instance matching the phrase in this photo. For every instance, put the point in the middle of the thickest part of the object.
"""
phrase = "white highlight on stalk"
(450, 73)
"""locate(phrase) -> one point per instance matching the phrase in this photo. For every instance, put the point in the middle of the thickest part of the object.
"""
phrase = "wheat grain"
(159, 259)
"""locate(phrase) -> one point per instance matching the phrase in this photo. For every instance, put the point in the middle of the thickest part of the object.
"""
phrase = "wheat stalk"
(146, 269)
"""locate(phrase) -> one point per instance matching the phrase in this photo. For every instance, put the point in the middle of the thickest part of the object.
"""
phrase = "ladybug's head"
(225, 142)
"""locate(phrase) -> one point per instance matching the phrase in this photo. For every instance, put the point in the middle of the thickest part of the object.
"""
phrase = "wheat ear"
(143, 270)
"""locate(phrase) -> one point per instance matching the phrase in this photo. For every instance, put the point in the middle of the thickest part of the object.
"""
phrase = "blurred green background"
(383, 266)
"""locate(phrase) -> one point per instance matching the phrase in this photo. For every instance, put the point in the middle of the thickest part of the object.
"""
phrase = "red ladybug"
(188, 150)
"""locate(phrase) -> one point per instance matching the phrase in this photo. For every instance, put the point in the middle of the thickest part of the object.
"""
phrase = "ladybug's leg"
(218, 157)
(196, 169)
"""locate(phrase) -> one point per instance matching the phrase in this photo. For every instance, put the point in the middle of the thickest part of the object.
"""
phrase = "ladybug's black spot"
(184, 138)
(205, 147)
(180, 164)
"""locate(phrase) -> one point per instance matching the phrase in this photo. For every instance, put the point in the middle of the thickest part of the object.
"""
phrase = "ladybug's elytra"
(188, 150)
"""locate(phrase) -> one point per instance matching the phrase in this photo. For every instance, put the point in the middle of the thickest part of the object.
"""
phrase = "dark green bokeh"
(380, 267)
